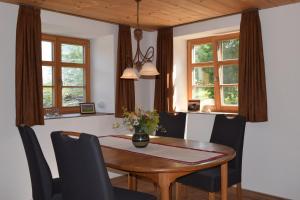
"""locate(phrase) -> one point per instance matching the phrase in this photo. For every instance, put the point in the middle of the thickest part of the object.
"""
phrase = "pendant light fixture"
(142, 63)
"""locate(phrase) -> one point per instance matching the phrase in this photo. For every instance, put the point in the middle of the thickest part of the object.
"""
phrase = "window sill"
(209, 113)
(75, 115)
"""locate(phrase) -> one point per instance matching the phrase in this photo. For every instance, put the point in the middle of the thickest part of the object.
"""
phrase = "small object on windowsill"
(87, 108)
(52, 112)
(194, 105)
(206, 108)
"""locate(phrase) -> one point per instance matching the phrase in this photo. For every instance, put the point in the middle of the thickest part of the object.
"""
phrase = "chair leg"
(238, 191)
(211, 196)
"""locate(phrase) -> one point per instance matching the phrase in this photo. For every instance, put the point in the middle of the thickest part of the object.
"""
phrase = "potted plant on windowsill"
(143, 123)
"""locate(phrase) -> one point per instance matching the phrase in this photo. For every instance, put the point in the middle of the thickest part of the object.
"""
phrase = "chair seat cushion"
(124, 194)
(210, 179)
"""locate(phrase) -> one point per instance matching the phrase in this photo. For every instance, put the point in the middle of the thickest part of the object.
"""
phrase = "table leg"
(164, 192)
(224, 181)
(164, 181)
(164, 186)
(132, 182)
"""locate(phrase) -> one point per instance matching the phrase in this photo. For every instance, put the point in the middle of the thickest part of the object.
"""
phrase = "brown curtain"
(124, 88)
(29, 97)
(252, 83)
(163, 100)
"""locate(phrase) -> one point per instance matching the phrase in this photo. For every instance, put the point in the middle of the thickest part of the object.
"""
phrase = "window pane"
(72, 53)
(230, 49)
(47, 51)
(72, 76)
(229, 74)
(202, 53)
(203, 76)
(72, 96)
(47, 76)
(229, 95)
(203, 93)
(48, 97)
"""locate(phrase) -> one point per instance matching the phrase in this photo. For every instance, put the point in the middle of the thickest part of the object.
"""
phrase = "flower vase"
(140, 139)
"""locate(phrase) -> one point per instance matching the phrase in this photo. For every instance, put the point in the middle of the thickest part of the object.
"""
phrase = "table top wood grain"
(133, 162)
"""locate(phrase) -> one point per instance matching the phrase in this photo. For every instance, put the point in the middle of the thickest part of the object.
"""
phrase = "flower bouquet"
(143, 123)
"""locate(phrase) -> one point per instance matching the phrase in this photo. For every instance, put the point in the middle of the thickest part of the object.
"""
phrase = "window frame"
(57, 65)
(214, 40)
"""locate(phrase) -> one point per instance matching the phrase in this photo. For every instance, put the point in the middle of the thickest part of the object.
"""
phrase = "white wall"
(103, 52)
(14, 173)
(180, 97)
(13, 184)
(271, 153)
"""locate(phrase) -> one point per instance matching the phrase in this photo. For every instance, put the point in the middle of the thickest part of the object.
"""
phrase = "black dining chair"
(44, 187)
(83, 172)
(227, 131)
(171, 124)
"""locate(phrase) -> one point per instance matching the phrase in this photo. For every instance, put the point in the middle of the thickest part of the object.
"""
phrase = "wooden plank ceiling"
(154, 14)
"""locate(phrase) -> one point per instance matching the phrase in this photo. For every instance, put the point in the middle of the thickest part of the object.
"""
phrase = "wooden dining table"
(162, 171)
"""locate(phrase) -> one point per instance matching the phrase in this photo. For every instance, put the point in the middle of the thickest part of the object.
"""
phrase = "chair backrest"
(40, 174)
(81, 167)
(171, 124)
(230, 131)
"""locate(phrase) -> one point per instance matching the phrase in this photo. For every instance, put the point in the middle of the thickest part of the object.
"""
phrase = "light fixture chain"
(138, 13)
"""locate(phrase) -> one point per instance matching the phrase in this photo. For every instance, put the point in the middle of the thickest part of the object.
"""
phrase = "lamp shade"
(129, 73)
(148, 69)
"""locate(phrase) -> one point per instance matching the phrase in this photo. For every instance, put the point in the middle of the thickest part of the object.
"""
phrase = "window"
(65, 68)
(213, 72)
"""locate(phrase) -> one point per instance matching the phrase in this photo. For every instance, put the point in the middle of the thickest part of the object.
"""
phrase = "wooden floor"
(189, 193)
